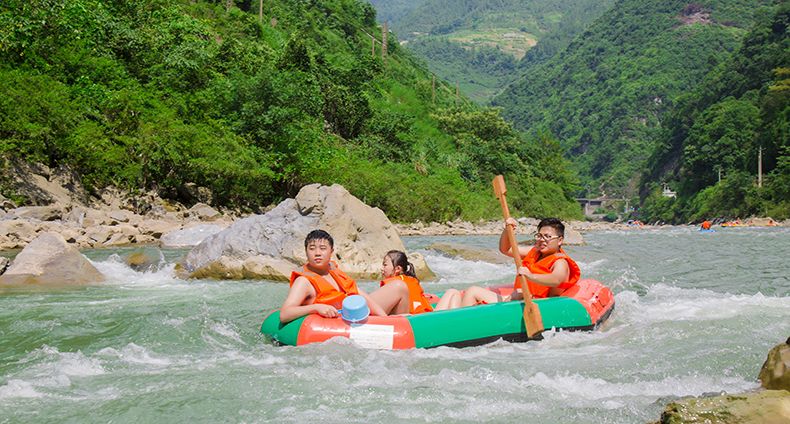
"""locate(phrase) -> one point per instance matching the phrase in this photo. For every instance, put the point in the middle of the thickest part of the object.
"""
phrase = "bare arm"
(504, 242)
(293, 306)
(559, 274)
(375, 309)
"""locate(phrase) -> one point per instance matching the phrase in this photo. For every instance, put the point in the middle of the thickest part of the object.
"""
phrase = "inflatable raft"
(582, 307)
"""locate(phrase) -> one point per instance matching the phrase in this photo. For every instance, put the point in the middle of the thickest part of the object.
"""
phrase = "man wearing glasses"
(548, 269)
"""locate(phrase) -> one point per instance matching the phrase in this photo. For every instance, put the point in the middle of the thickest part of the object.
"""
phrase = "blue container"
(355, 308)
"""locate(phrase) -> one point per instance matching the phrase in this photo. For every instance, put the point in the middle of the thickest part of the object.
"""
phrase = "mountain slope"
(717, 131)
(155, 95)
(483, 45)
(604, 96)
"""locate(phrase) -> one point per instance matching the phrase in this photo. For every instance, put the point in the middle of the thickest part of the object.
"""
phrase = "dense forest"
(605, 96)
(709, 147)
(155, 94)
(483, 45)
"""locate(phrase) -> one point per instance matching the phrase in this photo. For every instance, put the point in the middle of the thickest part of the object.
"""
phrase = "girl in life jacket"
(549, 271)
(396, 270)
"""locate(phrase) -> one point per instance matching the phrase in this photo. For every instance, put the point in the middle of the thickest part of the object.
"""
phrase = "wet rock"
(49, 260)
(145, 260)
(471, 253)
(362, 236)
(775, 373)
(190, 236)
(766, 407)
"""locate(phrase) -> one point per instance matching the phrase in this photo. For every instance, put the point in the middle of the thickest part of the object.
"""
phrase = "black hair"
(553, 223)
(399, 258)
(319, 235)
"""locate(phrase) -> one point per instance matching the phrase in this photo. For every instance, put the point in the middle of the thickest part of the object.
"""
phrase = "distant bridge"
(590, 205)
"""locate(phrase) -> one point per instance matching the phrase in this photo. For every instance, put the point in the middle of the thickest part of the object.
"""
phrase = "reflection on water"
(696, 313)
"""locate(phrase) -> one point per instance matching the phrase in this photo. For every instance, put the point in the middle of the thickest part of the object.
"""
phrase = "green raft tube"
(582, 307)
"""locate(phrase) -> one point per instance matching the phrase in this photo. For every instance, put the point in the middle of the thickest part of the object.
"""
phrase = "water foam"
(135, 354)
(459, 272)
(667, 303)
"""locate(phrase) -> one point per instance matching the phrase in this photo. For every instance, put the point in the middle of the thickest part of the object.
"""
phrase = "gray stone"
(190, 236)
(49, 260)
(204, 212)
(471, 253)
(40, 213)
(362, 236)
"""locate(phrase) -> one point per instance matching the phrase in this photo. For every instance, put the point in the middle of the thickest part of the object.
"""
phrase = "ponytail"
(399, 259)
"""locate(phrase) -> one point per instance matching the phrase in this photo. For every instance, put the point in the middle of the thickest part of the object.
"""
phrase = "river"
(696, 314)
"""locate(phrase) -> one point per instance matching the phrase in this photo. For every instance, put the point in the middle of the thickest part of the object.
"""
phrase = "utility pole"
(760, 167)
(260, 11)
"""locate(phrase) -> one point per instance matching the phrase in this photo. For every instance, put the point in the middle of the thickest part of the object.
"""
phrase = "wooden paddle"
(532, 319)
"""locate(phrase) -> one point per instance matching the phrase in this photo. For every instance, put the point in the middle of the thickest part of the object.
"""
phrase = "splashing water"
(695, 314)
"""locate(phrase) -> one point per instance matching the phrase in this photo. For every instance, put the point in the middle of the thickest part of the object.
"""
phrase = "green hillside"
(605, 96)
(483, 45)
(156, 94)
(718, 131)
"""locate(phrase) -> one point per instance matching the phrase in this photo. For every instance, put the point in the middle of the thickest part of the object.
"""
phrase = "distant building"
(589, 206)
(667, 192)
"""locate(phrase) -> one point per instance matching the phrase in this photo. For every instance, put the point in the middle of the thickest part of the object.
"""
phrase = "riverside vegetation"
(160, 95)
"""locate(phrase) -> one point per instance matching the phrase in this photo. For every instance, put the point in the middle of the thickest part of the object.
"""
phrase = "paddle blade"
(499, 186)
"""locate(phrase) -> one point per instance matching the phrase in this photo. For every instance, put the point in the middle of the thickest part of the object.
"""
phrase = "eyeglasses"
(541, 237)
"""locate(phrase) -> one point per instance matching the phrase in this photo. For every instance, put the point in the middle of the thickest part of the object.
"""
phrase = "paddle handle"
(501, 193)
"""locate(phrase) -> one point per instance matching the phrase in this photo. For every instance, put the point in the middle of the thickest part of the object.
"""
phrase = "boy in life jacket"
(398, 271)
(548, 270)
(320, 287)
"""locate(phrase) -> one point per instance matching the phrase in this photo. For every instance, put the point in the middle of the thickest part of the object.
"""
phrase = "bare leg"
(393, 298)
(475, 294)
(450, 300)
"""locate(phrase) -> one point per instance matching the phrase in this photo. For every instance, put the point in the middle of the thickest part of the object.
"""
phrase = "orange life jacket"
(325, 292)
(418, 303)
(539, 265)
(706, 225)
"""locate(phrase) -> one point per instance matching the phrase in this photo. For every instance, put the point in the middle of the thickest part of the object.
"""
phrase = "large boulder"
(775, 373)
(49, 260)
(270, 246)
(471, 253)
(190, 236)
